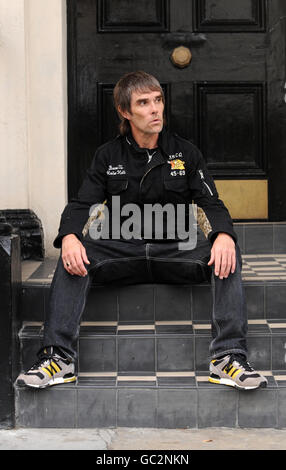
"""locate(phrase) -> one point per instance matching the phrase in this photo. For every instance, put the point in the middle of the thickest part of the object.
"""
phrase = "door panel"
(229, 100)
(133, 16)
(230, 120)
(224, 15)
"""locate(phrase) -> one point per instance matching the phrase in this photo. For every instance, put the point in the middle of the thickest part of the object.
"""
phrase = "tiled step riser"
(201, 406)
(144, 354)
(261, 238)
(163, 302)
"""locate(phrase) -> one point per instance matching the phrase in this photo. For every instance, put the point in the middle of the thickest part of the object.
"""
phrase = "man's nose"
(154, 108)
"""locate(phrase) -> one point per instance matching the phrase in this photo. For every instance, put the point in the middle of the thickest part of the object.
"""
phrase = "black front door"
(222, 66)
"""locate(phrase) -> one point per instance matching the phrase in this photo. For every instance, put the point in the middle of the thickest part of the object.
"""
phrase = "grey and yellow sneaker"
(50, 369)
(234, 370)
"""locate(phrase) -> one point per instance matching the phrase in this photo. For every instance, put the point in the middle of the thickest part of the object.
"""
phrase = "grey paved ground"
(143, 439)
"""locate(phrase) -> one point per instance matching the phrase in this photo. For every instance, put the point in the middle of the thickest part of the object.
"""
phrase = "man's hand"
(74, 255)
(223, 254)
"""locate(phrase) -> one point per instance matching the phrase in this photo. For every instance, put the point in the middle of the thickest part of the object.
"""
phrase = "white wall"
(13, 107)
(33, 110)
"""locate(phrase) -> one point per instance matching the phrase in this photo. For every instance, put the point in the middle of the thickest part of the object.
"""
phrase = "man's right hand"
(74, 255)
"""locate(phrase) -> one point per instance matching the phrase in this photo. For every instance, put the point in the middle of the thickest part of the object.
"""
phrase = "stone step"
(112, 347)
(157, 401)
(143, 350)
(265, 298)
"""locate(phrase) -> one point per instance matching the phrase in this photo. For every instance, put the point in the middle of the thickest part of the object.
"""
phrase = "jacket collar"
(162, 142)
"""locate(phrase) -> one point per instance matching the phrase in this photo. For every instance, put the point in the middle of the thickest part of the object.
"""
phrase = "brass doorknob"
(181, 56)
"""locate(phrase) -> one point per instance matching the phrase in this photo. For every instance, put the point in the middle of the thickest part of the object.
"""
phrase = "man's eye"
(142, 102)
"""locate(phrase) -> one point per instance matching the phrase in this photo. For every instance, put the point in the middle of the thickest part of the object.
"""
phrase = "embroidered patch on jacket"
(116, 170)
(177, 164)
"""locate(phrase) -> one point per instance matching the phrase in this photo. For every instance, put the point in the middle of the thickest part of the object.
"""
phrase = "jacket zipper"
(145, 175)
(150, 155)
(204, 182)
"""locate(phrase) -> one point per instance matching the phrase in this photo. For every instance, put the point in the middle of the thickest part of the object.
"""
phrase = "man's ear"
(124, 114)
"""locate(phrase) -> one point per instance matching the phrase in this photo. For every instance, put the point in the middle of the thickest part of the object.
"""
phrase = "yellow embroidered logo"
(177, 164)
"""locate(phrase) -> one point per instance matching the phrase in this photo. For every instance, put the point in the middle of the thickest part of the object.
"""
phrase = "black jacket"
(176, 174)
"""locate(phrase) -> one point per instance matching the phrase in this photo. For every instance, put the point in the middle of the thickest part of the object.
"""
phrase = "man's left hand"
(223, 255)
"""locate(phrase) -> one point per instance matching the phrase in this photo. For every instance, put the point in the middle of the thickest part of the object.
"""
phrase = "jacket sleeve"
(213, 216)
(92, 191)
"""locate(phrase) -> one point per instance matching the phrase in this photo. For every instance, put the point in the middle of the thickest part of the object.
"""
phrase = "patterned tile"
(97, 374)
(176, 327)
(28, 268)
(39, 273)
(264, 267)
(178, 378)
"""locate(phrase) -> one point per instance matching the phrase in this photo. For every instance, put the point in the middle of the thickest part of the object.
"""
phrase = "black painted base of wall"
(10, 290)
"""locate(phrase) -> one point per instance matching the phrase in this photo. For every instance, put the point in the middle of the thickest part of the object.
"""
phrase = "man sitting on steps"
(145, 165)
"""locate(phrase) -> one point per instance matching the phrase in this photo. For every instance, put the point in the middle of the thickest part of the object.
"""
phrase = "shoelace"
(42, 359)
(242, 361)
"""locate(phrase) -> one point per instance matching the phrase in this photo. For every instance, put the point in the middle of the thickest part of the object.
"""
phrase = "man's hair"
(134, 81)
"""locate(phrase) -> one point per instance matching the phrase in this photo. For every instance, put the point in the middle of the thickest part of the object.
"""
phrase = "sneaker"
(50, 369)
(234, 370)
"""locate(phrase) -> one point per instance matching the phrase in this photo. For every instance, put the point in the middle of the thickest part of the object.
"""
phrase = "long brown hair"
(132, 81)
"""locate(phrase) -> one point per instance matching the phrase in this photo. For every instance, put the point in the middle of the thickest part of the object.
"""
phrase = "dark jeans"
(124, 262)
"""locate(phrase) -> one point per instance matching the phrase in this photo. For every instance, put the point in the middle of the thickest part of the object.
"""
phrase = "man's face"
(146, 116)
